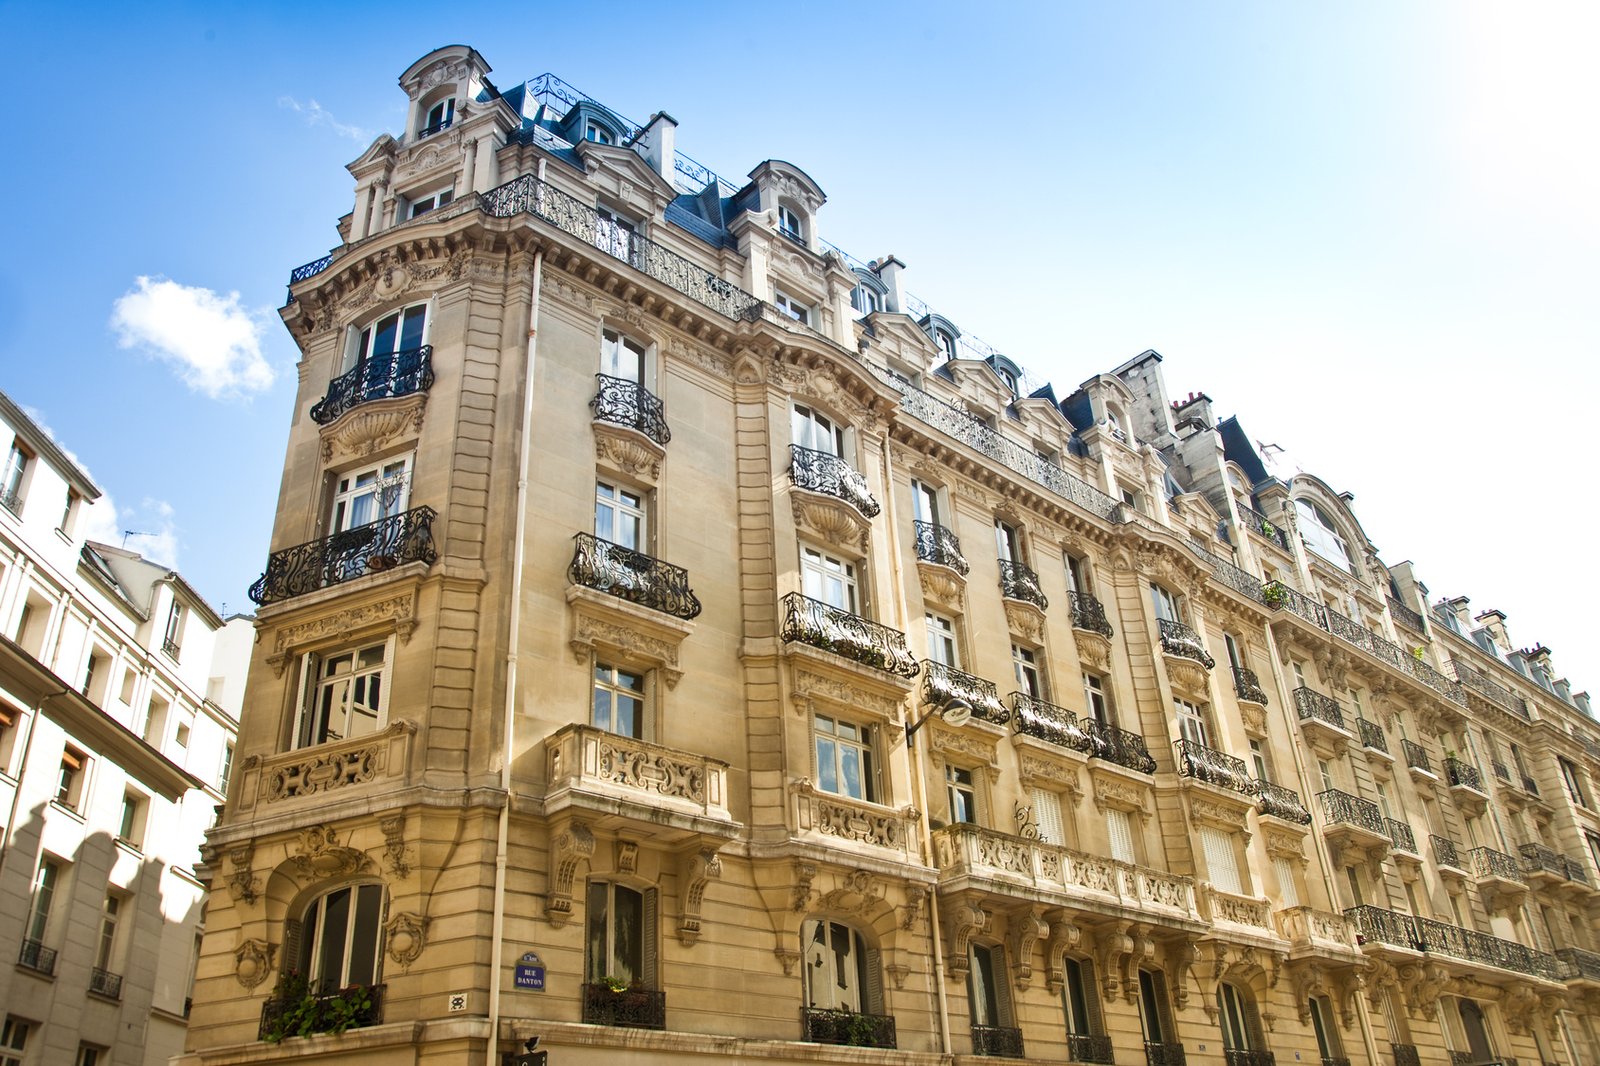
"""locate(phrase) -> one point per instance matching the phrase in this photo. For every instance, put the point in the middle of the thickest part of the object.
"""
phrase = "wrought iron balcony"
(1462, 774)
(628, 403)
(1405, 1055)
(1375, 925)
(529, 195)
(1582, 965)
(171, 648)
(1469, 945)
(1163, 1054)
(1017, 582)
(999, 1041)
(36, 957)
(1280, 802)
(438, 127)
(1530, 786)
(1120, 746)
(1481, 685)
(936, 544)
(401, 538)
(1401, 836)
(813, 622)
(1445, 852)
(1341, 808)
(633, 576)
(377, 377)
(1405, 616)
(823, 1026)
(1500, 770)
(942, 685)
(346, 1007)
(631, 1008)
(1257, 522)
(11, 500)
(1416, 756)
(1228, 573)
(105, 983)
(1089, 614)
(1034, 717)
(307, 270)
(1314, 706)
(1182, 641)
(1247, 686)
(1371, 734)
(1489, 863)
(826, 473)
(1214, 767)
(1242, 1057)
(1085, 1047)
(1546, 862)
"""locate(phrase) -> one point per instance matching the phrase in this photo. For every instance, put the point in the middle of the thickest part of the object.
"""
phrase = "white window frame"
(601, 902)
(1049, 816)
(1164, 603)
(361, 344)
(1193, 724)
(1008, 543)
(607, 680)
(943, 644)
(445, 110)
(838, 966)
(13, 1041)
(315, 681)
(388, 489)
(810, 428)
(1222, 859)
(627, 509)
(623, 356)
(962, 791)
(1030, 672)
(107, 943)
(312, 962)
(835, 740)
(1237, 1024)
(925, 502)
(49, 878)
(823, 575)
(71, 782)
(597, 133)
(432, 200)
(1321, 535)
(791, 223)
(793, 307)
(1097, 699)
(134, 817)
(11, 481)
(614, 231)
(1123, 835)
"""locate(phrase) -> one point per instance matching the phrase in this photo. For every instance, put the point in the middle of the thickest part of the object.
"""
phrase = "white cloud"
(212, 342)
(155, 533)
(317, 115)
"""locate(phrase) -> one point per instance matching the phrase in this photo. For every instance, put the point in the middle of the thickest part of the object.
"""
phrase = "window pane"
(599, 960)
(628, 934)
(335, 931)
(364, 939)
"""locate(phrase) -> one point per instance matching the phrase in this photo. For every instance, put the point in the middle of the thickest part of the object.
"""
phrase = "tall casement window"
(1288, 884)
(13, 1041)
(422, 203)
(618, 700)
(1326, 1028)
(337, 940)
(614, 232)
(1082, 1010)
(17, 459)
(345, 694)
(69, 781)
(829, 579)
(46, 880)
(172, 639)
(1025, 662)
(1235, 656)
(370, 494)
(925, 503)
(1154, 1018)
(791, 224)
(440, 116)
(1571, 777)
(1047, 816)
(619, 516)
(841, 972)
(1240, 1029)
(105, 952)
(1078, 579)
(941, 639)
(845, 762)
(1192, 722)
(1119, 827)
(622, 357)
(621, 934)
(1008, 542)
(961, 793)
(405, 330)
(796, 309)
(812, 429)
(1165, 604)
(1097, 700)
(1222, 858)
(987, 990)
(1321, 535)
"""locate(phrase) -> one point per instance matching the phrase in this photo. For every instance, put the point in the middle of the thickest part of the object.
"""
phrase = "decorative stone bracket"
(1065, 936)
(700, 868)
(966, 920)
(568, 848)
(639, 634)
(243, 885)
(1027, 929)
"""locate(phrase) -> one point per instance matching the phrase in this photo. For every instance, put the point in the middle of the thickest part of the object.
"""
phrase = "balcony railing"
(942, 685)
(1314, 706)
(1487, 862)
(1343, 808)
(1280, 802)
(631, 1008)
(572, 216)
(1163, 1054)
(1469, 945)
(1530, 786)
(307, 270)
(377, 377)
(813, 622)
(1537, 858)
(1089, 614)
(1371, 734)
(1500, 770)
(1401, 836)
(351, 553)
(1230, 574)
(1405, 615)
(1120, 746)
(936, 544)
(1335, 1060)
(1085, 1047)
(1257, 522)
(1379, 926)
(999, 1041)
(628, 403)
(1036, 718)
(1405, 1055)
(1247, 686)
(1495, 693)
(636, 775)
(1214, 767)
(1462, 774)
(438, 127)
(171, 648)
(347, 1008)
(826, 473)
(1416, 756)
(1445, 852)
(632, 576)
(1182, 641)
(1017, 582)
(36, 957)
(822, 1026)
(1582, 965)
(105, 983)
(1241, 1057)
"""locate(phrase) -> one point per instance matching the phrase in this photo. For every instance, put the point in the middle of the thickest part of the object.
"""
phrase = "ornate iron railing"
(1406, 616)
(999, 1041)
(307, 270)
(1416, 755)
(937, 544)
(1247, 686)
(1487, 862)
(11, 500)
(1462, 774)
(942, 685)
(1495, 693)
(822, 1026)
(1314, 705)
(1582, 965)
(1257, 522)
(1182, 641)
(1335, 1060)
(527, 194)
(1017, 582)
(1120, 746)
(332, 1008)
(1371, 734)
(438, 127)
(1401, 836)
(1089, 614)
(105, 983)
(170, 648)
(1445, 852)
(1382, 926)
(1281, 802)
(1036, 718)
(1087, 1047)
(813, 622)
(1163, 1054)
(377, 377)
(1248, 1057)
(632, 1008)
(1405, 1055)
(401, 538)
(818, 471)
(1529, 785)
(631, 575)
(1537, 858)
(1213, 767)
(1441, 938)
(1346, 809)
(36, 957)
(628, 403)
(1500, 770)
(1229, 573)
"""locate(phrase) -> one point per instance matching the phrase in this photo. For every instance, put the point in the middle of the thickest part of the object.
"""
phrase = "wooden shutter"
(1002, 985)
(1047, 815)
(872, 1001)
(647, 950)
(1091, 997)
(1221, 861)
(1121, 828)
(289, 958)
(1288, 891)
(8, 716)
(72, 760)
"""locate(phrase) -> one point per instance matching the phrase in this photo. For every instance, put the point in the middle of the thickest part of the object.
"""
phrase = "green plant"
(1268, 528)
(860, 1030)
(303, 1012)
(615, 984)
(1274, 594)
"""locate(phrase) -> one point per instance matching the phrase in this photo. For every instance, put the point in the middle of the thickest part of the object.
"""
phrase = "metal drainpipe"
(513, 628)
(924, 830)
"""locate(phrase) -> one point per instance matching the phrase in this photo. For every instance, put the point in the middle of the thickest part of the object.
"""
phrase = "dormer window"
(593, 131)
(865, 300)
(1008, 377)
(423, 204)
(788, 305)
(1322, 536)
(790, 224)
(440, 116)
(945, 343)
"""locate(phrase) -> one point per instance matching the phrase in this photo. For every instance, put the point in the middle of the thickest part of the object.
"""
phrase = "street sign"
(529, 974)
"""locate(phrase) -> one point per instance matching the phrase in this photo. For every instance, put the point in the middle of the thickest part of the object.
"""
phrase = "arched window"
(337, 943)
(1241, 1029)
(1322, 536)
(840, 970)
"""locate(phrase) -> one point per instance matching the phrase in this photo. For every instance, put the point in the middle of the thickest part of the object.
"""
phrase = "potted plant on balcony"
(1274, 594)
(304, 1012)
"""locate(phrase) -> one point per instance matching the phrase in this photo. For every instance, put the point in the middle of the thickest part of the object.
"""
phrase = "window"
(1352, 877)
(337, 943)
(1322, 535)
(614, 232)
(1288, 887)
(961, 791)
(69, 513)
(1129, 496)
(155, 721)
(987, 993)
(1326, 1028)
(1029, 681)
(13, 1041)
(94, 671)
(11, 479)
(1222, 859)
(69, 784)
(621, 356)
(1574, 782)
(1078, 1001)
(814, 430)
(1047, 816)
(593, 131)
(865, 300)
(1240, 1031)
(941, 639)
(829, 579)
(1119, 825)
(1192, 722)
(845, 762)
(46, 880)
(344, 695)
(840, 971)
(945, 343)
(924, 502)
(129, 680)
(618, 700)
(106, 946)
(440, 115)
(180, 735)
(405, 330)
(1235, 659)
(172, 639)
(370, 494)
(1593, 840)
(1260, 761)
(1166, 605)
(1008, 542)
(135, 809)
(621, 934)
(1078, 575)
(9, 716)
(1096, 699)
(89, 1055)
(619, 516)
(1153, 1017)
(421, 205)
(790, 225)
(792, 307)
(227, 770)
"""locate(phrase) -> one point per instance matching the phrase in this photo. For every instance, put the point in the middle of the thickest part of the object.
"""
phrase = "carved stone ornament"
(1116, 793)
(787, 957)
(808, 688)
(1186, 675)
(243, 885)
(252, 962)
(1221, 813)
(715, 363)
(647, 637)
(375, 425)
(1254, 717)
(829, 519)
(398, 612)
(1093, 649)
(322, 856)
(947, 740)
(626, 857)
(966, 920)
(911, 910)
(1027, 929)
(856, 893)
(1043, 770)
(394, 846)
(568, 848)
(1025, 620)
(800, 891)
(700, 868)
(824, 386)
(1065, 936)
(1282, 844)
(407, 935)
(628, 453)
(942, 585)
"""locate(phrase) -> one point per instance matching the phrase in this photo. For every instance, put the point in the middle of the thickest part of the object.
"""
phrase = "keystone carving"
(394, 847)
(322, 856)
(243, 885)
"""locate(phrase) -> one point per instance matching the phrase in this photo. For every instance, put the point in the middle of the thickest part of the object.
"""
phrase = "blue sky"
(1369, 229)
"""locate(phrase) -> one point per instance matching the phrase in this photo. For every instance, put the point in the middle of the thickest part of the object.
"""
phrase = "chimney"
(1495, 622)
(888, 268)
(657, 144)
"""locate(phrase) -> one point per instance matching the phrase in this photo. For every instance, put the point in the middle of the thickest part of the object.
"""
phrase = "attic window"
(946, 344)
(788, 305)
(597, 133)
(440, 116)
(422, 205)
(790, 224)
